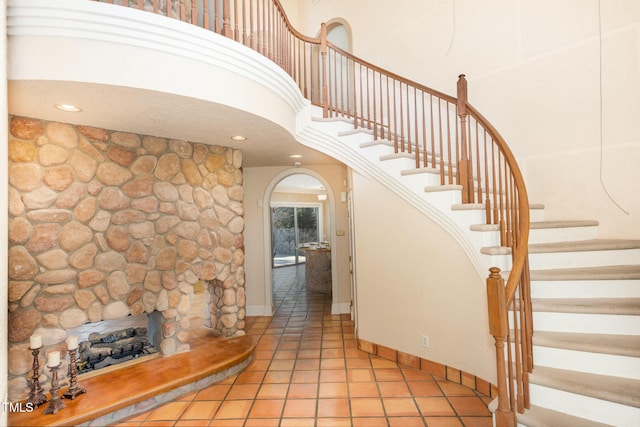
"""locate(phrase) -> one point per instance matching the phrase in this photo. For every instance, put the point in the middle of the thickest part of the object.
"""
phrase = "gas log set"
(112, 348)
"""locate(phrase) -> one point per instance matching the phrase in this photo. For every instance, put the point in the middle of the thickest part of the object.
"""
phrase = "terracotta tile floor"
(307, 371)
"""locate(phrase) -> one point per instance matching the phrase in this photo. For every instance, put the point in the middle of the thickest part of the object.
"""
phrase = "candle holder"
(36, 396)
(74, 390)
(55, 404)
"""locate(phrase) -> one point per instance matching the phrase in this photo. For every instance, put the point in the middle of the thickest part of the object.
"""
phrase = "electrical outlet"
(425, 341)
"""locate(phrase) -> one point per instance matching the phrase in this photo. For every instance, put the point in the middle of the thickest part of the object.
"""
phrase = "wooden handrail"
(513, 298)
(444, 134)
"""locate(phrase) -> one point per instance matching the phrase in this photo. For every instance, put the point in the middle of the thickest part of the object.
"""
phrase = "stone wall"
(105, 224)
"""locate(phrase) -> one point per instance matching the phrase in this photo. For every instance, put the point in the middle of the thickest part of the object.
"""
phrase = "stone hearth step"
(125, 392)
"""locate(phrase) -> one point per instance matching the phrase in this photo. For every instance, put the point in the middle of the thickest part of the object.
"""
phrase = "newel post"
(226, 23)
(498, 327)
(465, 178)
(324, 95)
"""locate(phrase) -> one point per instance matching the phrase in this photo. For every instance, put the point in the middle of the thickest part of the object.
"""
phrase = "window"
(292, 226)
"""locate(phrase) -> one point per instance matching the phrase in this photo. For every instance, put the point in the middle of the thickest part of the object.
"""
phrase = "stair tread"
(537, 416)
(610, 272)
(618, 306)
(562, 224)
(417, 171)
(621, 345)
(332, 119)
(624, 391)
(401, 155)
(584, 245)
(482, 207)
(569, 246)
(540, 225)
(376, 142)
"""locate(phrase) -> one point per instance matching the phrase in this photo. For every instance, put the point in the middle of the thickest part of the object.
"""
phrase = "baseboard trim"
(341, 308)
(437, 369)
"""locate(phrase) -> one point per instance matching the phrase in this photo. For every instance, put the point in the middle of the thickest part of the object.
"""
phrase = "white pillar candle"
(35, 341)
(72, 342)
(53, 359)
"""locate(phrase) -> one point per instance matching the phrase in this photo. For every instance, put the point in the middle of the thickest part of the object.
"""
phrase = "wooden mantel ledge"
(210, 354)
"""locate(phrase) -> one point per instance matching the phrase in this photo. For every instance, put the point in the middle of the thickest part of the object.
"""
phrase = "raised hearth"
(124, 392)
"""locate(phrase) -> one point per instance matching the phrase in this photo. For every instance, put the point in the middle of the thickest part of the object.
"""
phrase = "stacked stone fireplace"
(104, 225)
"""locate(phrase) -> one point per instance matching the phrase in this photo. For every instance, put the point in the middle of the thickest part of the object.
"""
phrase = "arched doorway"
(298, 204)
(272, 199)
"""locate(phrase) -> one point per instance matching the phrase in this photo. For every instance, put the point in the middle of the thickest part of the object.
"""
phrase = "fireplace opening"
(115, 342)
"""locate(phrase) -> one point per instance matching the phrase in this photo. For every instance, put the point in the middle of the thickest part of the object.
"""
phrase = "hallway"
(307, 371)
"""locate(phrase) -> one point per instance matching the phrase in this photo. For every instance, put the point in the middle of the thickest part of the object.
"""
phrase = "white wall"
(534, 69)
(414, 280)
(258, 183)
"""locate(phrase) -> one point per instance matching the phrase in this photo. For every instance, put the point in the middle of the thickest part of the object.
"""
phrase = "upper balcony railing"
(442, 133)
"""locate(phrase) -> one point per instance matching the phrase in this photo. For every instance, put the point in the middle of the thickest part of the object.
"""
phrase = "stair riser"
(503, 262)
(333, 126)
(544, 261)
(354, 139)
(376, 151)
(587, 323)
(397, 164)
(393, 166)
(417, 181)
(586, 289)
(488, 238)
(564, 234)
(595, 363)
(372, 155)
(478, 216)
(443, 199)
(465, 218)
(584, 407)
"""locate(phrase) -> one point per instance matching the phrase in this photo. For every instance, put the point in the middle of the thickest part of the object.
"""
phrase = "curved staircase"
(585, 292)
(414, 140)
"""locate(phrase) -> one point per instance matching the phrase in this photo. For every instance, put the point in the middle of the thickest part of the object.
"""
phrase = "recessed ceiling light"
(295, 156)
(68, 108)
(239, 138)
